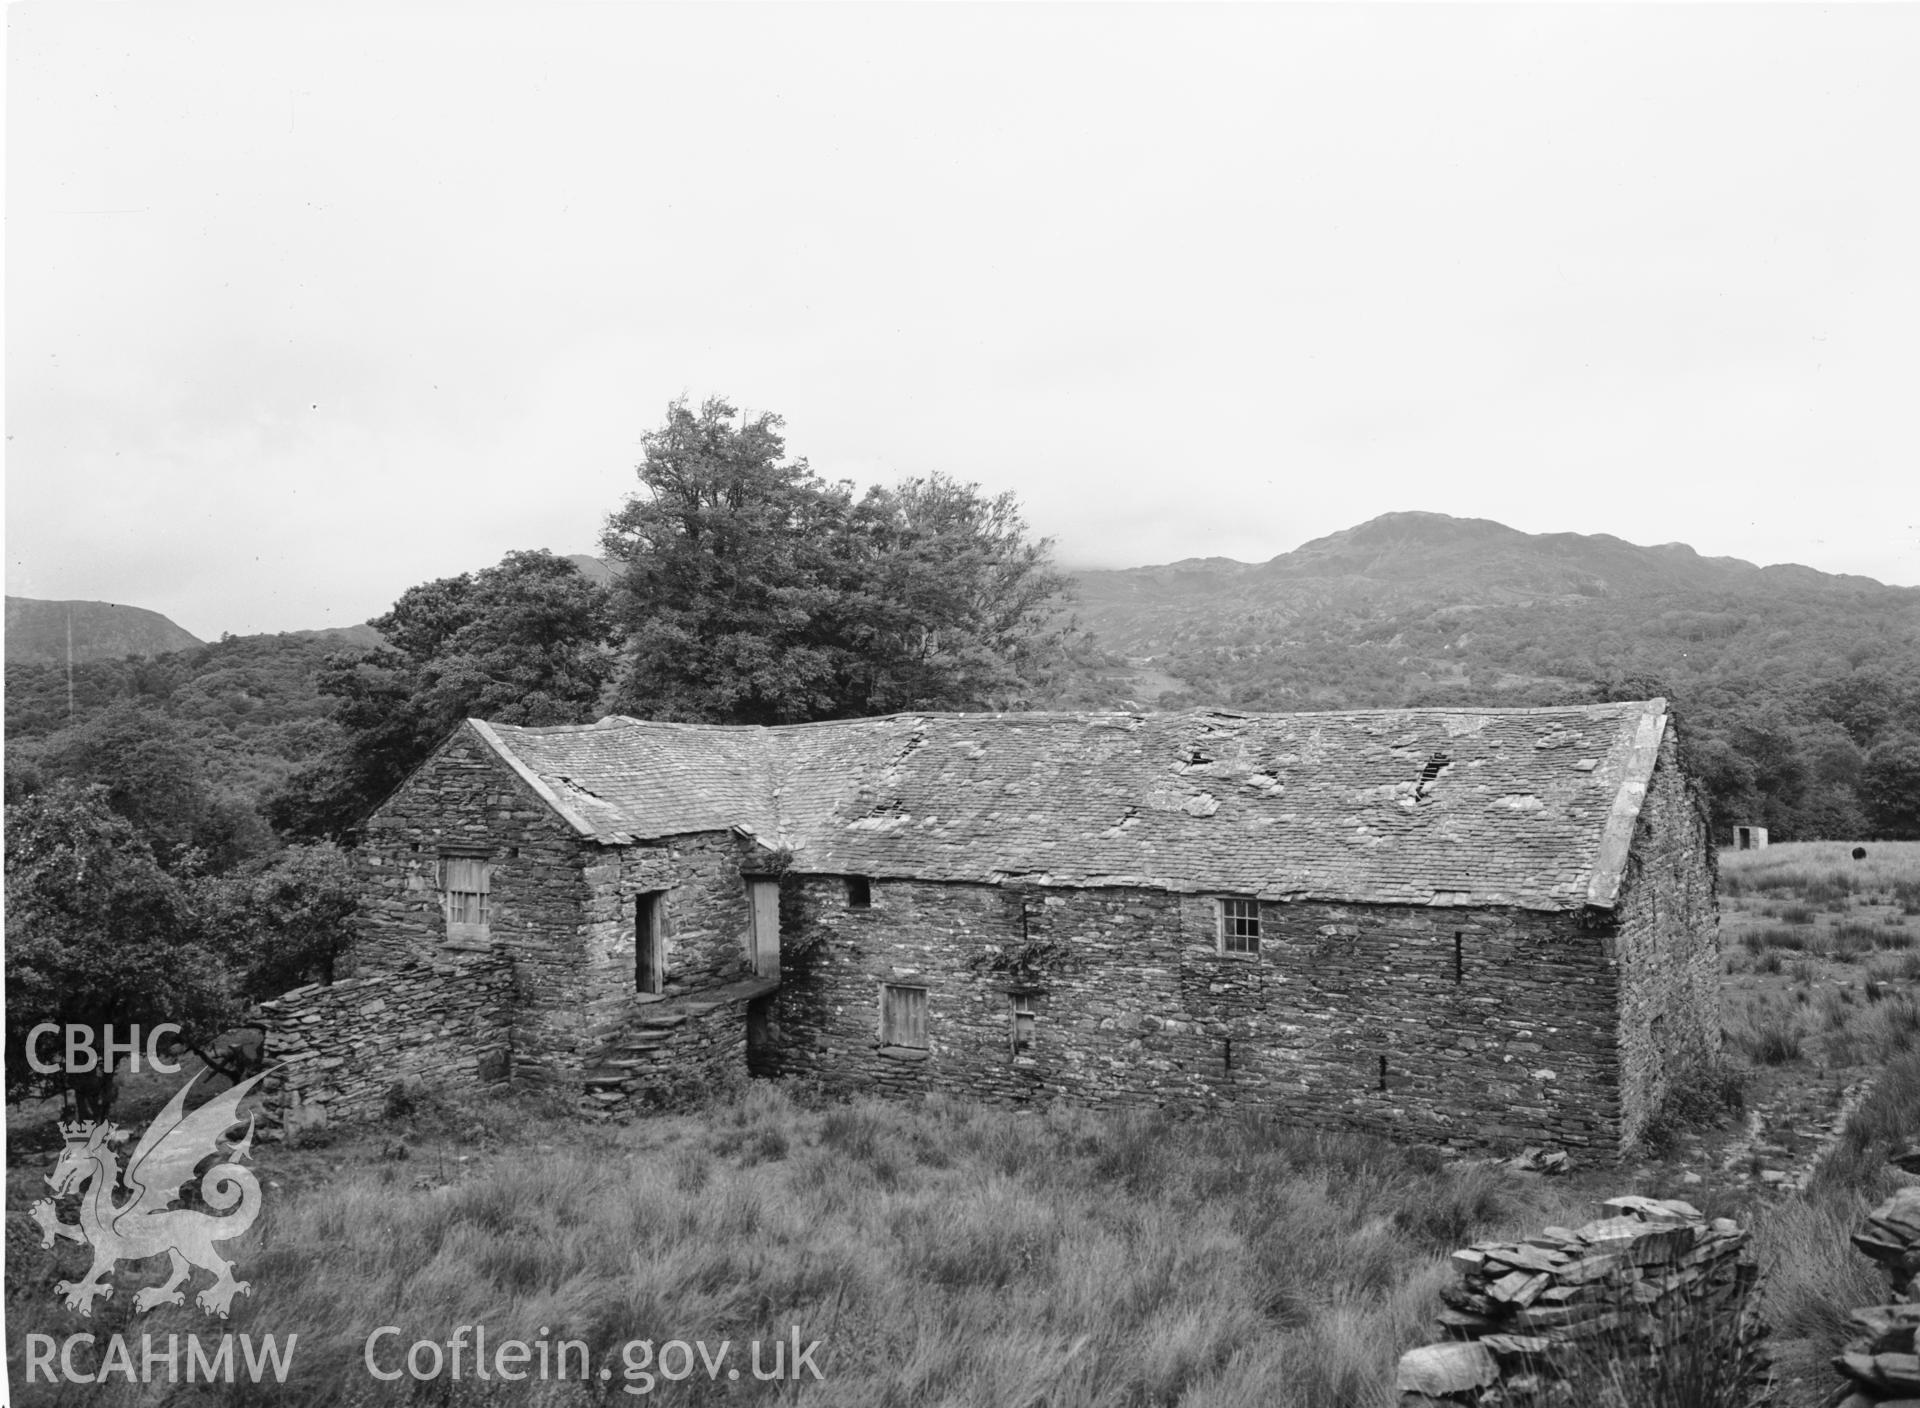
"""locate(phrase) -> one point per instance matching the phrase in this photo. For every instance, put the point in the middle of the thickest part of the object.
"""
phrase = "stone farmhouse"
(1465, 925)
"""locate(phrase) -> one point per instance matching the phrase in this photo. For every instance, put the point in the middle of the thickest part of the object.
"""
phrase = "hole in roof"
(1433, 766)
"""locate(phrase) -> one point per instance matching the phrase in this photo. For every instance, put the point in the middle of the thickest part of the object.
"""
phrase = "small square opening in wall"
(859, 892)
(1240, 927)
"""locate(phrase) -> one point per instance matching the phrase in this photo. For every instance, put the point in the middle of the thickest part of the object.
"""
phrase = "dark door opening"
(649, 953)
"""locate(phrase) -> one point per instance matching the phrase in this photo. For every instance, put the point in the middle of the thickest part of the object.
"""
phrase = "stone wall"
(1882, 1364)
(562, 907)
(703, 910)
(661, 1052)
(443, 1020)
(1462, 1026)
(1558, 1317)
(1666, 937)
(465, 797)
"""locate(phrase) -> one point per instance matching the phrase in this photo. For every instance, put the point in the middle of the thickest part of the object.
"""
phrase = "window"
(903, 1016)
(465, 884)
(1240, 926)
(859, 892)
(1023, 1014)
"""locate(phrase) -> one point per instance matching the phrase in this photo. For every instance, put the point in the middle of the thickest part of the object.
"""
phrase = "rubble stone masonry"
(562, 909)
(1470, 1024)
(1666, 939)
(1465, 1026)
(341, 1048)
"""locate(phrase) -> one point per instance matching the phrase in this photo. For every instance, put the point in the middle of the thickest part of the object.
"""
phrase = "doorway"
(649, 946)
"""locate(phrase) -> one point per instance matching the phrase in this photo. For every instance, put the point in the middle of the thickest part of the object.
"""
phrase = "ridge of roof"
(615, 721)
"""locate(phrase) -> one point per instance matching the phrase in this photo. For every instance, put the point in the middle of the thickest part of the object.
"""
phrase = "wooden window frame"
(891, 1023)
(1023, 1014)
(466, 908)
(1238, 926)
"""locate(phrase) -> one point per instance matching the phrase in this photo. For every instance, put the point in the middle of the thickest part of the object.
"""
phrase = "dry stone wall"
(341, 1048)
(1531, 1321)
(1667, 941)
(1882, 1364)
(1462, 1026)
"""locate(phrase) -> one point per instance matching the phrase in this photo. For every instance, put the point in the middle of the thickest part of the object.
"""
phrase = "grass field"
(959, 1254)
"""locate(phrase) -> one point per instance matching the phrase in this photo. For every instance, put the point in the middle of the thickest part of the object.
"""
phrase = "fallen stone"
(1442, 1369)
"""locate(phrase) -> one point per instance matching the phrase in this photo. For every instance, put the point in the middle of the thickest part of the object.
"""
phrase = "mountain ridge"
(1413, 558)
(102, 630)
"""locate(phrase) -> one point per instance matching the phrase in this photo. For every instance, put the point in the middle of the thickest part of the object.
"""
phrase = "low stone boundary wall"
(343, 1046)
(1883, 1365)
(662, 1052)
(1526, 1313)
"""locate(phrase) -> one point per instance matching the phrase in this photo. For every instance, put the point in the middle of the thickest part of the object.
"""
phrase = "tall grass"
(1820, 872)
(951, 1253)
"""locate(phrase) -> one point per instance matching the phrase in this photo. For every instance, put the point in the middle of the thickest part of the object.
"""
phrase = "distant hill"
(102, 630)
(1798, 689)
(1402, 561)
(596, 570)
(361, 637)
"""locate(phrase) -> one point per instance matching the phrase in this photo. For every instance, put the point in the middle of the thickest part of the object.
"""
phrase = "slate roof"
(1526, 807)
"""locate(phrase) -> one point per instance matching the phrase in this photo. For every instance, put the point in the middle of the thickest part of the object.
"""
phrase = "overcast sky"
(309, 303)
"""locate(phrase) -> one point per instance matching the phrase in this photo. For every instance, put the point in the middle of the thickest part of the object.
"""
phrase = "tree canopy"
(98, 933)
(752, 591)
(527, 641)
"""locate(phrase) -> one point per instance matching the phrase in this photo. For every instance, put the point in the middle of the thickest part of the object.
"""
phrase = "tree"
(154, 776)
(97, 934)
(1890, 787)
(384, 741)
(951, 605)
(528, 641)
(287, 923)
(754, 592)
(733, 562)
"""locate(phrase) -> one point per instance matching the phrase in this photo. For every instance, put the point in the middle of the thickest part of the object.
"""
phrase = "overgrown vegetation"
(100, 934)
(1700, 1095)
(950, 1253)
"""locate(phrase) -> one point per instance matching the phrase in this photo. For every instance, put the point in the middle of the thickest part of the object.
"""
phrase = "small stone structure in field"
(1527, 1315)
(1749, 838)
(1882, 1365)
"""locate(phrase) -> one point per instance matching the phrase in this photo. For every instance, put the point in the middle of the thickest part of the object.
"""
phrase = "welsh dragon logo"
(144, 1225)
